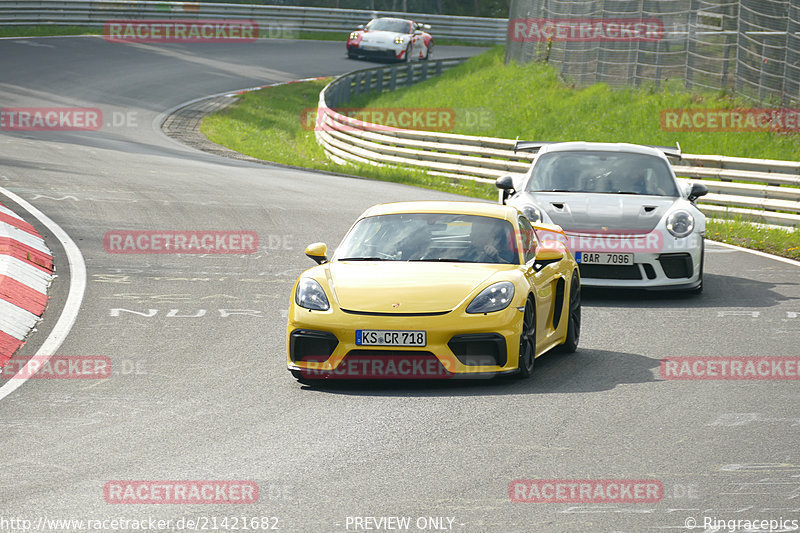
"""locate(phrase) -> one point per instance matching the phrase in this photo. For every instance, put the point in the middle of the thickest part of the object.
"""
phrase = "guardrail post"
(410, 75)
(393, 79)
(345, 95)
(424, 71)
(438, 67)
(379, 80)
(371, 80)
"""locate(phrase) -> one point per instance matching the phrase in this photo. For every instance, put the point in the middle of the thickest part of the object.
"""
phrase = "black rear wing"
(669, 151)
(529, 146)
(535, 146)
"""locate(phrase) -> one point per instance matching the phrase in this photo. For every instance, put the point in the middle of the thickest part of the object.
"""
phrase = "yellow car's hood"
(403, 287)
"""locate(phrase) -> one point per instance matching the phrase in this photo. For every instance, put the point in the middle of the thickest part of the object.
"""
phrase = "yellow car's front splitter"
(322, 345)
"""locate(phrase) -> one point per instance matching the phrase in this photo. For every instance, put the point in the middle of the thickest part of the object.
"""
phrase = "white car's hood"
(592, 212)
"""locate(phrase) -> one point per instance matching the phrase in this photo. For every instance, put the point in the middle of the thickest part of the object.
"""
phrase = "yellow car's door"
(543, 277)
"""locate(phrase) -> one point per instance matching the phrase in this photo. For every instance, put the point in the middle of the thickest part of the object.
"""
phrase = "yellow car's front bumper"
(322, 344)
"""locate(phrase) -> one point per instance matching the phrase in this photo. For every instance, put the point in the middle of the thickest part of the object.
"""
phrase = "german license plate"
(380, 337)
(603, 258)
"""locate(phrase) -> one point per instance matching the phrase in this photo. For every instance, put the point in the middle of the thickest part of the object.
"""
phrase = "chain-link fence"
(747, 47)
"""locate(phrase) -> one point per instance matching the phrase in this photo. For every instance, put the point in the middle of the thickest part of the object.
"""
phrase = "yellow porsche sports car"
(421, 290)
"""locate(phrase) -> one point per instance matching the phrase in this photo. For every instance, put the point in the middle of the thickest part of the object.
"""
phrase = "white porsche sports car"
(629, 221)
(391, 38)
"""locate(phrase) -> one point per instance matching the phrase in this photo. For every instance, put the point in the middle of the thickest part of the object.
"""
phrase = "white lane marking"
(34, 43)
(66, 197)
(756, 252)
(77, 287)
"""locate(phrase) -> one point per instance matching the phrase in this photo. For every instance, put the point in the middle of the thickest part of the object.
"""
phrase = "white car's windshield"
(430, 237)
(602, 172)
(396, 26)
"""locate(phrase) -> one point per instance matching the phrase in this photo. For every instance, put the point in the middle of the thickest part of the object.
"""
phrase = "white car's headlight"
(353, 35)
(310, 295)
(495, 297)
(680, 223)
(399, 40)
(534, 214)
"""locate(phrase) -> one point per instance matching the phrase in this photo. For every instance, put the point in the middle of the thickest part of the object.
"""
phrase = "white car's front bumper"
(677, 266)
(379, 50)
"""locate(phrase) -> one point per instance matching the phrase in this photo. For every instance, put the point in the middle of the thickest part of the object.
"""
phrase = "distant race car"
(629, 221)
(421, 290)
(391, 38)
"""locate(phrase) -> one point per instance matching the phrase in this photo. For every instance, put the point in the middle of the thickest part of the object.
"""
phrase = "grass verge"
(269, 124)
(533, 102)
(48, 30)
(736, 231)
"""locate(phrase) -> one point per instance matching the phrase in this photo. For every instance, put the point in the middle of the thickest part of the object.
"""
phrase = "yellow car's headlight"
(495, 297)
(399, 40)
(310, 295)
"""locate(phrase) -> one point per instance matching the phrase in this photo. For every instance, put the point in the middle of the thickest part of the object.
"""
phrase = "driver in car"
(488, 244)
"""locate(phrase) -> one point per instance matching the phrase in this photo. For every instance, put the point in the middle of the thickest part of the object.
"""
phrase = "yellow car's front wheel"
(527, 341)
(570, 344)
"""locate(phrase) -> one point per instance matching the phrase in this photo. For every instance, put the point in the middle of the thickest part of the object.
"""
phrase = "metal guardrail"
(758, 189)
(773, 198)
(277, 21)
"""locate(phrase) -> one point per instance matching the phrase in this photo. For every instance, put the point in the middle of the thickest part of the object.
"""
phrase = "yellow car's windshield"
(430, 237)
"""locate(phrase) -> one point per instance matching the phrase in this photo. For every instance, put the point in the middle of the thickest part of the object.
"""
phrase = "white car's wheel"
(699, 288)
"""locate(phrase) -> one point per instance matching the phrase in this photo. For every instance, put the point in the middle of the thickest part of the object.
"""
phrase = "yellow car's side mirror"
(548, 254)
(318, 252)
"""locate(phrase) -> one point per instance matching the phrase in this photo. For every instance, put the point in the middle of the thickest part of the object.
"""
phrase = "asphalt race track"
(200, 389)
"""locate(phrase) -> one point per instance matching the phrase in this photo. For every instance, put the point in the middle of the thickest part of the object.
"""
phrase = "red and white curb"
(26, 271)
